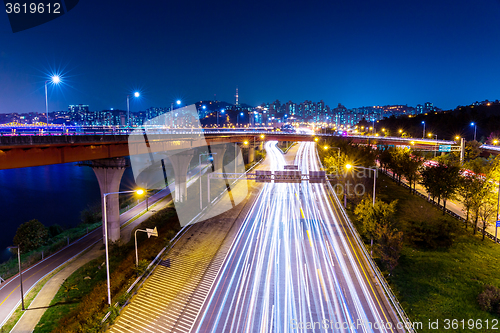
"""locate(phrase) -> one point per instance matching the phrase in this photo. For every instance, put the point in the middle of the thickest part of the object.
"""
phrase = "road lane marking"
(360, 264)
(309, 236)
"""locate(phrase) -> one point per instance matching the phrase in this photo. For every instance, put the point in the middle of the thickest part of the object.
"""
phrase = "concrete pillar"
(251, 154)
(219, 151)
(109, 173)
(180, 164)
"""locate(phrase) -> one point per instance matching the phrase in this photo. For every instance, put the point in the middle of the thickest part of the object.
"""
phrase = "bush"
(55, 230)
(489, 299)
(432, 234)
(30, 235)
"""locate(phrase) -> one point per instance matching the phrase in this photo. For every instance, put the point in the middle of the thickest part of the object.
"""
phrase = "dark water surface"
(54, 194)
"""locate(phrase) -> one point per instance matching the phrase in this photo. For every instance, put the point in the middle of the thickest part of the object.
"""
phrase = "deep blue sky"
(351, 52)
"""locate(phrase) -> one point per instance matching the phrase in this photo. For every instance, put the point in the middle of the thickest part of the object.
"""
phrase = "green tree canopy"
(30, 235)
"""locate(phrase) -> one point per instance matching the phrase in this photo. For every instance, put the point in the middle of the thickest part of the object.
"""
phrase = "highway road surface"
(293, 266)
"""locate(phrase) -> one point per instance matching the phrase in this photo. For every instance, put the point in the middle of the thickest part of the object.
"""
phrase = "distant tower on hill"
(237, 103)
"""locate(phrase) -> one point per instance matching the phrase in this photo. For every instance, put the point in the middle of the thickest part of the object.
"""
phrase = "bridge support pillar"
(219, 151)
(251, 154)
(180, 164)
(109, 173)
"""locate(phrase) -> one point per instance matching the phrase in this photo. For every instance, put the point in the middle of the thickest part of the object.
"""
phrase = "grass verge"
(81, 302)
(441, 284)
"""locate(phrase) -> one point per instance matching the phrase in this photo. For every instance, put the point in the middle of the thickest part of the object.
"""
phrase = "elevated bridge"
(20, 151)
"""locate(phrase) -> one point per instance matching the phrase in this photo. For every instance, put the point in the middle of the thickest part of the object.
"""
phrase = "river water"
(53, 194)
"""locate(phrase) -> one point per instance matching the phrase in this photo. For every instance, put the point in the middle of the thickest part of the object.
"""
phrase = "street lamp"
(221, 111)
(475, 128)
(20, 272)
(240, 114)
(136, 94)
(423, 136)
(199, 165)
(150, 232)
(54, 79)
(430, 135)
(348, 166)
(105, 221)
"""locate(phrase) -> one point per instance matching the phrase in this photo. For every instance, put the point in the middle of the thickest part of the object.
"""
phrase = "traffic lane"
(217, 307)
(378, 296)
(352, 273)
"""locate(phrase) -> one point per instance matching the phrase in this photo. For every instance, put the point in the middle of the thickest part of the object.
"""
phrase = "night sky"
(357, 53)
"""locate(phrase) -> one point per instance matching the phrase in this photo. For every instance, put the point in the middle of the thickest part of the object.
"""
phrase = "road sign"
(498, 224)
(263, 176)
(317, 176)
(291, 167)
(445, 148)
(152, 232)
(287, 176)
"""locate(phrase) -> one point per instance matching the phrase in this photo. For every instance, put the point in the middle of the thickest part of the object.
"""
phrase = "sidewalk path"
(31, 317)
(452, 205)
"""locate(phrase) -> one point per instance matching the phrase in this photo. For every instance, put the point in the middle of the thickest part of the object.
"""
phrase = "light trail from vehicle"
(292, 266)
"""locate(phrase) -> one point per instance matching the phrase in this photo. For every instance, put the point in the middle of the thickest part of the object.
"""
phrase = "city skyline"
(355, 54)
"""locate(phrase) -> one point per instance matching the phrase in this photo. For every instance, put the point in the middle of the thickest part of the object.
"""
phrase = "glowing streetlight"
(316, 139)
(178, 102)
(475, 128)
(262, 136)
(54, 79)
(495, 142)
(105, 221)
(245, 143)
(423, 136)
(348, 166)
(457, 137)
(325, 147)
(136, 94)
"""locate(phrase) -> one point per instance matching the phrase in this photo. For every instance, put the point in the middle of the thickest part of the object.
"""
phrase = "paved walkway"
(42, 301)
(32, 315)
(453, 205)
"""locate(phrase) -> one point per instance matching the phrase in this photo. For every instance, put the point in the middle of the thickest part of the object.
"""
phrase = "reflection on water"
(54, 194)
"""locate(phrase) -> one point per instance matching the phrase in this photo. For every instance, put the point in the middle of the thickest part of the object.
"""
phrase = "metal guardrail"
(156, 261)
(387, 289)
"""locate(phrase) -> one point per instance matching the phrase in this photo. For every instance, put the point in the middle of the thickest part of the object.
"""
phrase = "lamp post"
(498, 216)
(240, 114)
(475, 128)
(150, 232)
(348, 166)
(430, 135)
(221, 111)
(136, 94)
(105, 221)
(20, 272)
(199, 165)
(54, 79)
(423, 135)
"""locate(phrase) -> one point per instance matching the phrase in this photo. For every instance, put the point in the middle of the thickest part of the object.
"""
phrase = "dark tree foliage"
(489, 299)
(432, 234)
(30, 235)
